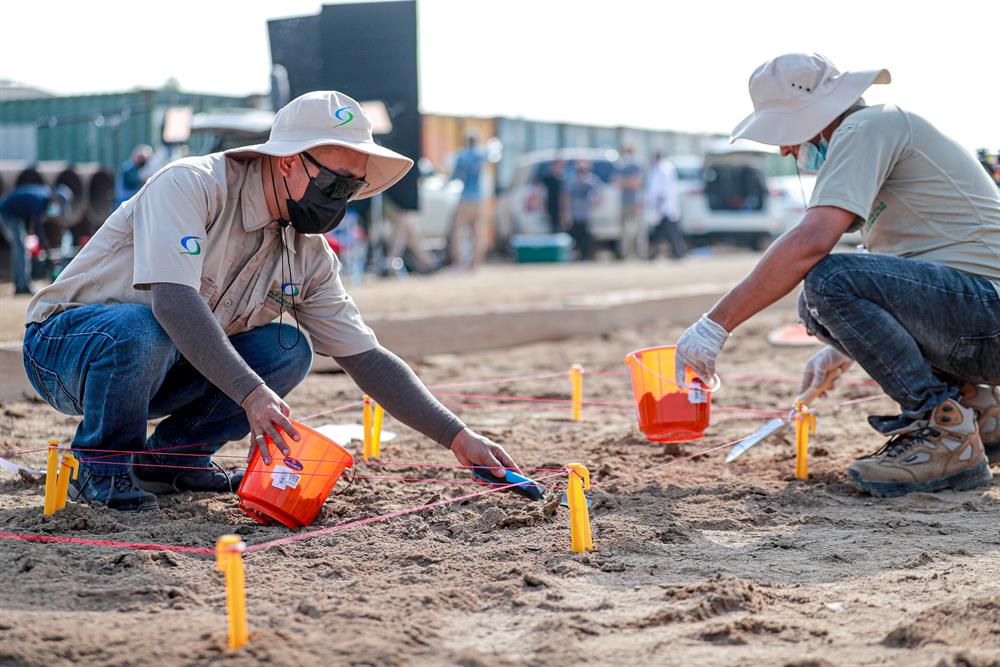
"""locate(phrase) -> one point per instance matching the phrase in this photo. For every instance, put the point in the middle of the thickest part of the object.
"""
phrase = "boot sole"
(963, 480)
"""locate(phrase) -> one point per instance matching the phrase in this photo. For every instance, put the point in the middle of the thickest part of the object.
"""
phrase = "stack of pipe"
(93, 188)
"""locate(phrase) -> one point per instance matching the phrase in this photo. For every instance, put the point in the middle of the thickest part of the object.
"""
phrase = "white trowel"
(777, 424)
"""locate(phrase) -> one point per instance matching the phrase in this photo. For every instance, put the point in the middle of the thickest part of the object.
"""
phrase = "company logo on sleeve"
(343, 114)
(190, 245)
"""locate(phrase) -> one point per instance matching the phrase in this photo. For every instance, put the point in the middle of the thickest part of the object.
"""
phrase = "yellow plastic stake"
(229, 559)
(579, 513)
(377, 431)
(805, 423)
(70, 468)
(366, 424)
(576, 379)
(51, 477)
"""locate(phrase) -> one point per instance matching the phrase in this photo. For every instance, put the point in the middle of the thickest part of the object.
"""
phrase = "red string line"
(381, 517)
(30, 537)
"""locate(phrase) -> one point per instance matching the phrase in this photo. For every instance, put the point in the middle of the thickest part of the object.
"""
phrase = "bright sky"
(644, 63)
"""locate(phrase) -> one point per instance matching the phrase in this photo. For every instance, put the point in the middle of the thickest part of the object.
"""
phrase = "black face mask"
(324, 203)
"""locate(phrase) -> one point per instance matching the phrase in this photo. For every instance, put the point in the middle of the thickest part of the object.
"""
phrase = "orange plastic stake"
(70, 468)
(579, 513)
(576, 379)
(51, 479)
(229, 559)
(805, 423)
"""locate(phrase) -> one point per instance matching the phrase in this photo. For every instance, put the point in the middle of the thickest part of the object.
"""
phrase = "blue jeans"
(116, 366)
(919, 329)
(14, 231)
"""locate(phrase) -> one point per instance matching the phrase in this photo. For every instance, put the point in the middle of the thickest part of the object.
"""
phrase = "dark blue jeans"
(919, 329)
(116, 366)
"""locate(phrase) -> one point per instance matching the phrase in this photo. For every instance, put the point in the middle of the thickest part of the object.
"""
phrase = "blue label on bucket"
(696, 396)
(294, 464)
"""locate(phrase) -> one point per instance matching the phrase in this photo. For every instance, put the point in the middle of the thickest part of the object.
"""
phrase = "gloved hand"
(822, 363)
(698, 348)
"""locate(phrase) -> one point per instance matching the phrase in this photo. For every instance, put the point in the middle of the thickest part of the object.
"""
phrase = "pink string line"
(426, 480)
(381, 517)
(516, 378)
(389, 464)
(528, 408)
(534, 399)
(435, 480)
(339, 408)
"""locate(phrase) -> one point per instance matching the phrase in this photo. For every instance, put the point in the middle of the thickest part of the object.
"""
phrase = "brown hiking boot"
(986, 402)
(944, 452)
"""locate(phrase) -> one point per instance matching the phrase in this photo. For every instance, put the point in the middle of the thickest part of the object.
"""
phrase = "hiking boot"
(116, 490)
(943, 452)
(213, 479)
(986, 402)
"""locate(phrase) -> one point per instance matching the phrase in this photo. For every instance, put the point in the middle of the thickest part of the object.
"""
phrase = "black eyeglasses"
(334, 185)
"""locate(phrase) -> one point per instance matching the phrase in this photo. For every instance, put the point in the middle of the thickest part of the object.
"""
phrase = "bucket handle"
(715, 386)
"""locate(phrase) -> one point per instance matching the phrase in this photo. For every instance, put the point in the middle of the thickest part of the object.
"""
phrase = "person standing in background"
(663, 204)
(634, 238)
(581, 194)
(22, 212)
(131, 177)
(552, 181)
(468, 169)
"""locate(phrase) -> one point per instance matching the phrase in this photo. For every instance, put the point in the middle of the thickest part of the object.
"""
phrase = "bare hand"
(472, 449)
(267, 412)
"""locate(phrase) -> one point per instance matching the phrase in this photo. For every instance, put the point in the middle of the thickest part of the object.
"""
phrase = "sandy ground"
(697, 562)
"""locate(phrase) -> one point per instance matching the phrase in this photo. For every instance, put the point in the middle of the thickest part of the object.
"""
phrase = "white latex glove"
(698, 348)
(822, 363)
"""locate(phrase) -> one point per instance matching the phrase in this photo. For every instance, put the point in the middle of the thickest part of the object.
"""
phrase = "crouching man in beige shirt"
(169, 312)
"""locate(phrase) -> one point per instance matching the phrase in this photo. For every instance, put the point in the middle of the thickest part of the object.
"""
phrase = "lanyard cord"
(285, 259)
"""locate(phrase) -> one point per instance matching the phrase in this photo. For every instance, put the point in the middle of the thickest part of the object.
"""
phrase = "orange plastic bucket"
(667, 413)
(293, 488)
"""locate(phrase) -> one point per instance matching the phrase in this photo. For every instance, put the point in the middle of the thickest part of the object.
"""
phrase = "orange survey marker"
(229, 559)
(667, 413)
(579, 513)
(292, 489)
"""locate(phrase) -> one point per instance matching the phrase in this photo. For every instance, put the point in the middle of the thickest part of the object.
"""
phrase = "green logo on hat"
(340, 111)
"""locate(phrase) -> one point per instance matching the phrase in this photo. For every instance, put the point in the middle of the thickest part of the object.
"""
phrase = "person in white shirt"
(663, 207)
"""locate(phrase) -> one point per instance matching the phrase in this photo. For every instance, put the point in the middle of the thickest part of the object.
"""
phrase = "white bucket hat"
(796, 95)
(329, 118)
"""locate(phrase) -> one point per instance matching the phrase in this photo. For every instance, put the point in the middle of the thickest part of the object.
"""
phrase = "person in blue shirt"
(22, 212)
(468, 169)
(131, 176)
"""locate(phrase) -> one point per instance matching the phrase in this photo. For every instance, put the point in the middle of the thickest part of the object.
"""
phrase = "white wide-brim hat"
(795, 96)
(329, 118)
